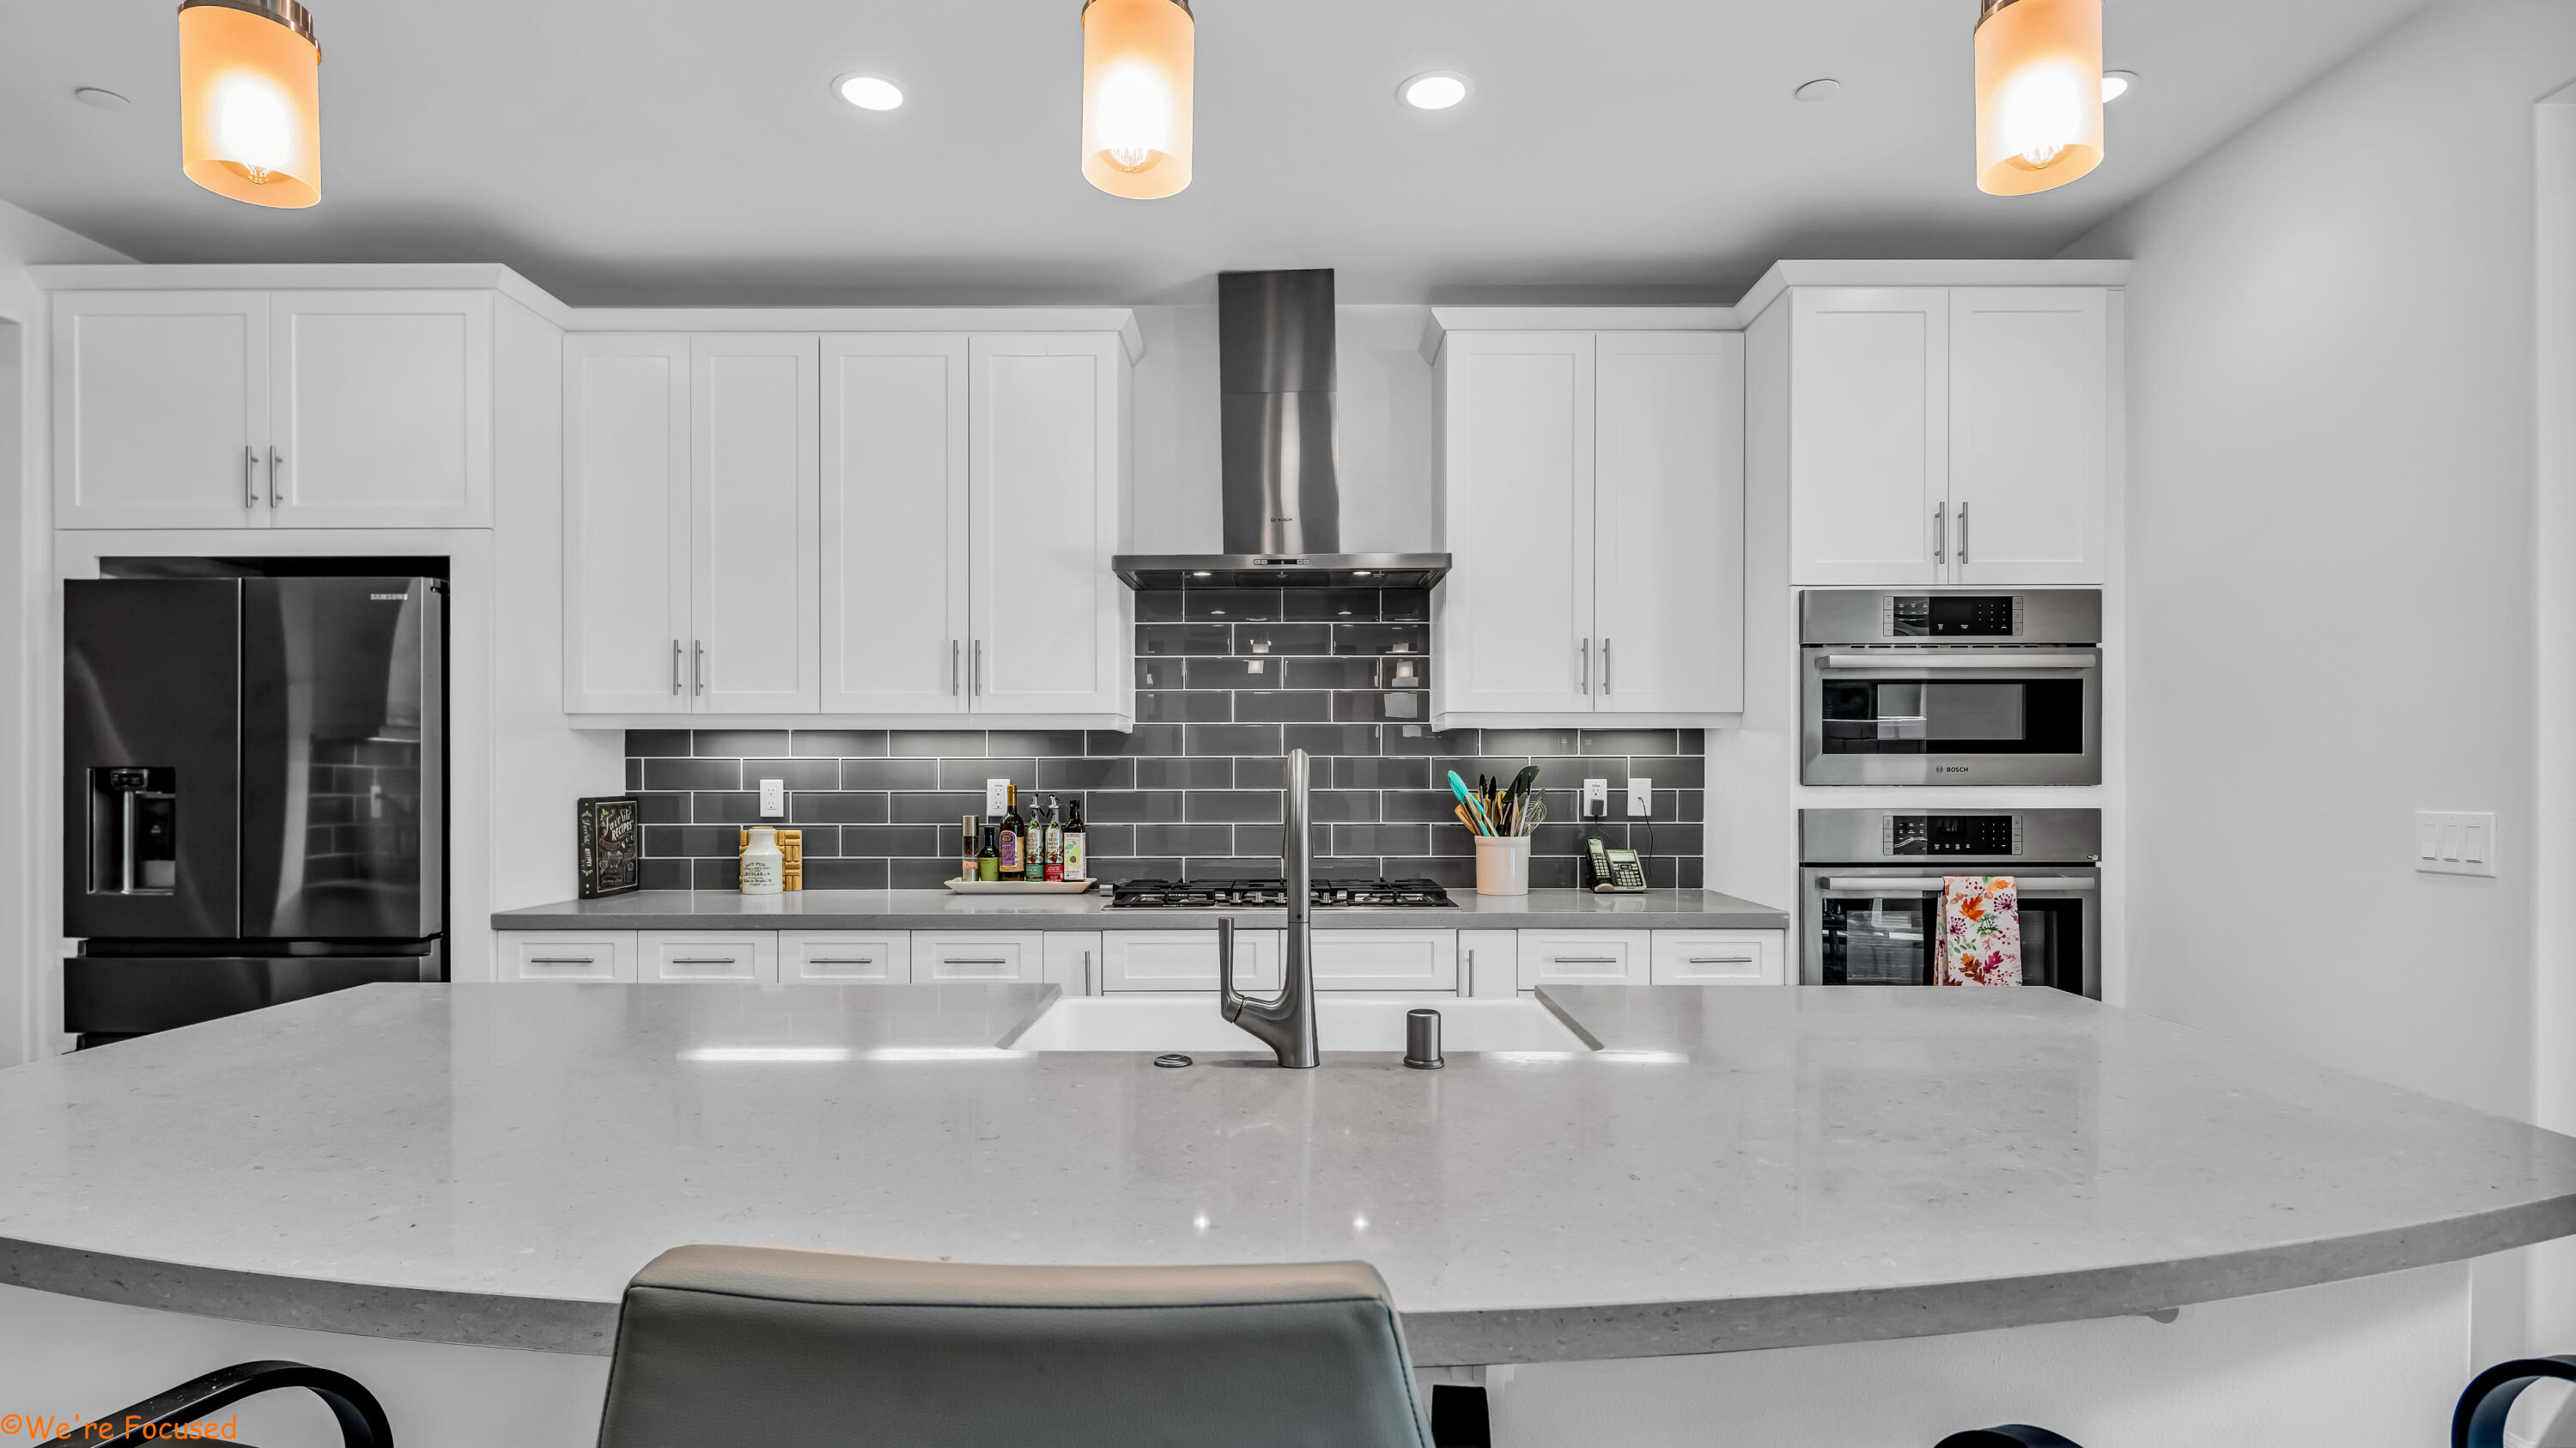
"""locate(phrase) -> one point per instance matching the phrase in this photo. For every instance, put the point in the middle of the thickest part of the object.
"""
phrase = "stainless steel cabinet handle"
(838, 960)
(1586, 960)
(953, 651)
(1086, 974)
(704, 960)
(1584, 652)
(562, 960)
(698, 667)
(1721, 960)
(974, 960)
(250, 476)
(1963, 535)
(1918, 660)
(1940, 534)
(272, 477)
(979, 666)
(1863, 884)
(1605, 666)
(675, 666)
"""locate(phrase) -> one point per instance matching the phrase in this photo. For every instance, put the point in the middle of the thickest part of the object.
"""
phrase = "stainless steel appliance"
(1951, 688)
(1273, 895)
(254, 793)
(1872, 881)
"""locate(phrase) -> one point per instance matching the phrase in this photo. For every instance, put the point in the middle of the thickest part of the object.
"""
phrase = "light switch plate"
(773, 799)
(2455, 842)
(1641, 798)
(997, 796)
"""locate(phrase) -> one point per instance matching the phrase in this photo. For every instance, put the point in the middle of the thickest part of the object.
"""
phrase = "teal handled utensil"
(1466, 797)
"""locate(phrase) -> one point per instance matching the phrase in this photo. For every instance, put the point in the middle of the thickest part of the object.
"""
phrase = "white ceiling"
(655, 151)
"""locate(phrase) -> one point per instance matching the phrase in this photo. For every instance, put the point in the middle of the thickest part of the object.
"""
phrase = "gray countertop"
(947, 910)
(1741, 1167)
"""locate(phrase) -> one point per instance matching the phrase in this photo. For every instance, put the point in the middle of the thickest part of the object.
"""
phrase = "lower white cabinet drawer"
(842, 957)
(535, 955)
(717, 957)
(1583, 957)
(1721, 957)
(1186, 960)
(1009, 956)
(1386, 960)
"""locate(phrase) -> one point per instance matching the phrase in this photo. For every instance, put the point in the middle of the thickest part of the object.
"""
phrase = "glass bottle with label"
(1054, 840)
(1033, 849)
(1012, 830)
(1077, 863)
(988, 860)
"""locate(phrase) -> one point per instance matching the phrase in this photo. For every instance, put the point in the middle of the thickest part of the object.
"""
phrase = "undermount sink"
(1342, 1023)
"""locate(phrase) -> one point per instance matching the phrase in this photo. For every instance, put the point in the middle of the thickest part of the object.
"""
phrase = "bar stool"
(2480, 1419)
(2008, 1435)
(788, 1348)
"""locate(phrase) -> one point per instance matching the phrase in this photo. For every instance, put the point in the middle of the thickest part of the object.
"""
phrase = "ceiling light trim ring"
(284, 12)
(1184, 4)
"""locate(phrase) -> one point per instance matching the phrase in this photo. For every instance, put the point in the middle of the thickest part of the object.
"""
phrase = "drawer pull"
(1721, 960)
(838, 960)
(973, 960)
(563, 960)
(1586, 959)
(704, 960)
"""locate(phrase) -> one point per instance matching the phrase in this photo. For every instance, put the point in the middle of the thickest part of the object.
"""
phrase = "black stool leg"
(2479, 1421)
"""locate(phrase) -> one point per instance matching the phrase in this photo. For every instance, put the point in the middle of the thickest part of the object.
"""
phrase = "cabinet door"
(160, 409)
(542, 955)
(1721, 957)
(1583, 957)
(381, 407)
(1132, 960)
(1670, 509)
(1514, 615)
(2030, 437)
(1012, 956)
(1050, 629)
(626, 523)
(894, 554)
(1386, 960)
(1869, 449)
(841, 957)
(706, 957)
(754, 434)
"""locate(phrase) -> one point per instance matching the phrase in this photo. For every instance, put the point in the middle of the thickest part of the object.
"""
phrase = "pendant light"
(2039, 94)
(1136, 57)
(250, 103)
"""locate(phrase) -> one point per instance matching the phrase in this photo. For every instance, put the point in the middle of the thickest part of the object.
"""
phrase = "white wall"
(2331, 552)
(26, 403)
(2553, 1033)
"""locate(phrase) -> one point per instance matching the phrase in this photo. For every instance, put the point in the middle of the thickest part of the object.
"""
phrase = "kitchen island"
(1767, 1173)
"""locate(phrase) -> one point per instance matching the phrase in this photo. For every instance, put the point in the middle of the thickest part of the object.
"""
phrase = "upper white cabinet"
(1592, 488)
(864, 525)
(250, 409)
(1948, 435)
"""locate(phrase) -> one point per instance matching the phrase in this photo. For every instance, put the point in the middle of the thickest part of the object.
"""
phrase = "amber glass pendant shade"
(2039, 94)
(1136, 59)
(250, 100)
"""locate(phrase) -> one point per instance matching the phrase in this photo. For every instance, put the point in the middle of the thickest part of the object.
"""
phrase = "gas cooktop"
(1273, 894)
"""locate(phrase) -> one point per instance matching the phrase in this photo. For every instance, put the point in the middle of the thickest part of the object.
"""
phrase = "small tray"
(1020, 887)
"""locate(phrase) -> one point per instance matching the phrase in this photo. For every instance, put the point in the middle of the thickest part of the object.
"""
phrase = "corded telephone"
(1615, 871)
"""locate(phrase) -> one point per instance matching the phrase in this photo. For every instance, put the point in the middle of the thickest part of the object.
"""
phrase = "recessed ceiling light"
(105, 100)
(869, 92)
(1435, 90)
(2117, 83)
(1819, 90)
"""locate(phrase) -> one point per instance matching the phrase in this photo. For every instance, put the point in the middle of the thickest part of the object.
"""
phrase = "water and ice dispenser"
(133, 830)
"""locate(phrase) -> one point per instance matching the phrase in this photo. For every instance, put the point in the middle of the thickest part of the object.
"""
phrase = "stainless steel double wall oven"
(1951, 688)
(1871, 883)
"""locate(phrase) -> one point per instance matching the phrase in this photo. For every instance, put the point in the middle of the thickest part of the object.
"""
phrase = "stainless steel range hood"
(1281, 452)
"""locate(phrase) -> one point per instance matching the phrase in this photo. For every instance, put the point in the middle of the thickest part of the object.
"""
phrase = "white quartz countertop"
(1741, 1167)
(948, 910)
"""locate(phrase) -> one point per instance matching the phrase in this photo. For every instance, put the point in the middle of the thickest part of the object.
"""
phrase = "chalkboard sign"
(609, 846)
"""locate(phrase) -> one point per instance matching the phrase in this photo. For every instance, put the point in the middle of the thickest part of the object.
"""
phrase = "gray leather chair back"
(732, 1345)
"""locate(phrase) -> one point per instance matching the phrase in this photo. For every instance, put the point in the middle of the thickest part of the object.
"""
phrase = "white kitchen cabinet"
(894, 549)
(626, 523)
(1584, 957)
(1720, 957)
(1386, 960)
(1186, 960)
(1489, 963)
(250, 409)
(605, 956)
(706, 957)
(755, 500)
(1073, 961)
(160, 409)
(1050, 622)
(1591, 493)
(844, 957)
(1007, 956)
(1948, 436)
(381, 407)
(2029, 434)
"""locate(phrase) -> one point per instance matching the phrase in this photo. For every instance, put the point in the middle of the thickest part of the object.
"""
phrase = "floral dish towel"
(1980, 931)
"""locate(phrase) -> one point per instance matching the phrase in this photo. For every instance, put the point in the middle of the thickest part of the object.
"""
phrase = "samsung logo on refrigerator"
(388, 597)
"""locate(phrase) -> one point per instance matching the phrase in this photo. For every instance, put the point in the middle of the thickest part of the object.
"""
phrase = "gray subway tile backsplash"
(1235, 677)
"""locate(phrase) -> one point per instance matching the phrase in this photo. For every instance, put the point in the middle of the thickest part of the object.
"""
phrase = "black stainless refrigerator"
(254, 794)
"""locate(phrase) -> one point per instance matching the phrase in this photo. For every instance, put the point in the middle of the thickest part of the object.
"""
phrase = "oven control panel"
(1992, 835)
(1954, 616)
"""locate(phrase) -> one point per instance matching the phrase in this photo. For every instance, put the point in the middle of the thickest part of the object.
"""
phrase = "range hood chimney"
(1281, 452)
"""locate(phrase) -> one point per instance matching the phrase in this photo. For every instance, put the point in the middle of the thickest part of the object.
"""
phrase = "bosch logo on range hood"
(1281, 452)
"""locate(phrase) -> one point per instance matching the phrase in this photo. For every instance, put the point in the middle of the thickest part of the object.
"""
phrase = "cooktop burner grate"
(1273, 894)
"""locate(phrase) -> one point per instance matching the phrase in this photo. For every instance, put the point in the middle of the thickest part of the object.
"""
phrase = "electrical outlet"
(773, 799)
(1641, 798)
(1596, 797)
(997, 796)
(2452, 843)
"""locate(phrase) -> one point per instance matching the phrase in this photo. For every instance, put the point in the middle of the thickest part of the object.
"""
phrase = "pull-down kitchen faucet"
(1287, 1024)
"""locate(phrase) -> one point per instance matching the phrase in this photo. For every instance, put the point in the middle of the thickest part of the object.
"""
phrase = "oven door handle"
(1864, 885)
(2001, 659)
